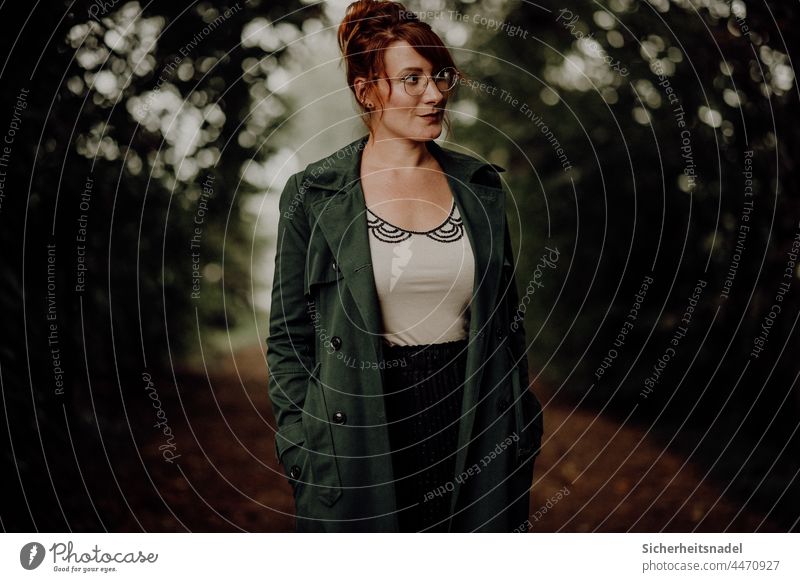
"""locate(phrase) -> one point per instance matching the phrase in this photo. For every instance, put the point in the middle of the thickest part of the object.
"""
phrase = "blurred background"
(649, 148)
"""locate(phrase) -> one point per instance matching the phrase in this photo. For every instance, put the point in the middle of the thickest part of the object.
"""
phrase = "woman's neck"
(385, 153)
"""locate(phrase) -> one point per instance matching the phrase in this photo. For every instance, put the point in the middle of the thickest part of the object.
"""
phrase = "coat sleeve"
(516, 317)
(508, 285)
(290, 345)
(533, 414)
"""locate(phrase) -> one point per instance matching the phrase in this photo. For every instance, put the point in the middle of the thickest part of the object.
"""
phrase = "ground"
(592, 474)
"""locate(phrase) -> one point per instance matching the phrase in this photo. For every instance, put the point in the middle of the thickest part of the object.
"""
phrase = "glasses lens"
(415, 84)
(445, 79)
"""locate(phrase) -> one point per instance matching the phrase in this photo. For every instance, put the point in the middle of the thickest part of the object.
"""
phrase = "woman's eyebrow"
(409, 69)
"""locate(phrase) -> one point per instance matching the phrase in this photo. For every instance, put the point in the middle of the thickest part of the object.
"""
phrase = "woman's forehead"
(400, 55)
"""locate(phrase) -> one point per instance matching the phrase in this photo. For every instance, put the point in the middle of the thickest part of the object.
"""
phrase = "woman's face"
(404, 115)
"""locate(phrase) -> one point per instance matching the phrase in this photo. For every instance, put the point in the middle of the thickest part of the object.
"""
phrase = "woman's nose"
(432, 93)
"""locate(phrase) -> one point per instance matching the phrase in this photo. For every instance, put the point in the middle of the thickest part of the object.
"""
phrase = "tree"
(649, 141)
(141, 130)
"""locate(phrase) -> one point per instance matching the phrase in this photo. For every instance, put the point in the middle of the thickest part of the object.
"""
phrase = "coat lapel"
(342, 221)
(341, 218)
(483, 211)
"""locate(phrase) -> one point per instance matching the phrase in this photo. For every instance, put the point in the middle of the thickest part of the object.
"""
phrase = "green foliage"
(151, 102)
(676, 119)
(654, 105)
(141, 129)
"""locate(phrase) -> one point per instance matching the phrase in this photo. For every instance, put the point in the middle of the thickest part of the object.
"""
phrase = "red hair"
(370, 26)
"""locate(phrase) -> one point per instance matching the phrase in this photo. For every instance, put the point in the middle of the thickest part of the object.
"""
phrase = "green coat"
(324, 346)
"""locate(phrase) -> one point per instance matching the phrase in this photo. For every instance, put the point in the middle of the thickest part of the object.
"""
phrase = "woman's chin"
(429, 133)
(419, 133)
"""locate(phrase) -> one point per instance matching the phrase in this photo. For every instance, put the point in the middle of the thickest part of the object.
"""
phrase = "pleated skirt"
(423, 401)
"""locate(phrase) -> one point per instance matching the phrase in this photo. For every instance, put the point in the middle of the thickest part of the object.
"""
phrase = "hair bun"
(362, 16)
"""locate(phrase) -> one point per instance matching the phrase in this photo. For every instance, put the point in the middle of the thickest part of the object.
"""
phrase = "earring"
(369, 105)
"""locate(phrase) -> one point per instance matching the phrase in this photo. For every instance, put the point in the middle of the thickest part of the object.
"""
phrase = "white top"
(424, 280)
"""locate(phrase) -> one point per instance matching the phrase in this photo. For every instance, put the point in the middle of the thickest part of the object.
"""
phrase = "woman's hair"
(370, 26)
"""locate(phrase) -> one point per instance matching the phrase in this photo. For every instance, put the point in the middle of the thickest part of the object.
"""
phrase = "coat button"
(500, 334)
(294, 472)
(336, 342)
(335, 266)
(339, 417)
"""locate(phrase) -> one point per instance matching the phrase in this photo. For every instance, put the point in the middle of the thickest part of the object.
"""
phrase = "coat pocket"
(292, 454)
(323, 463)
(291, 448)
(527, 413)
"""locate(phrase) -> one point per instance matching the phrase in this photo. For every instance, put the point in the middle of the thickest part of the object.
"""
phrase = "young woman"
(398, 375)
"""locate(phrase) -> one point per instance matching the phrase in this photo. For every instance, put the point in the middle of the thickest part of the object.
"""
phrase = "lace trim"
(451, 230)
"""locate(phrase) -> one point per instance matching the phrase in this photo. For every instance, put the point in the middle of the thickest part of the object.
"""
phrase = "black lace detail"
(451, 230)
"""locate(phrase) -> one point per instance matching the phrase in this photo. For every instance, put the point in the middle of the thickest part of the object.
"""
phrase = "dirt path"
(591, 475)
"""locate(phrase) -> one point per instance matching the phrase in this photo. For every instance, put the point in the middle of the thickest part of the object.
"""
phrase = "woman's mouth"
(432, 116)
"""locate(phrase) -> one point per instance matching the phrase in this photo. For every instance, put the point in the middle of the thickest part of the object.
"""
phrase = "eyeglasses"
(415, 84)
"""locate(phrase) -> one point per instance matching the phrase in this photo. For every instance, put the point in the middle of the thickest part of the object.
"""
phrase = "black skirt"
(423, 397)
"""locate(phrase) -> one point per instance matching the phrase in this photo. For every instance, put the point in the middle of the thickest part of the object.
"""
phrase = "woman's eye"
(413, 79)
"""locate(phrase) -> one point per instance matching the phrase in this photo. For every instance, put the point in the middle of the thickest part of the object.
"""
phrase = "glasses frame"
(456, 77)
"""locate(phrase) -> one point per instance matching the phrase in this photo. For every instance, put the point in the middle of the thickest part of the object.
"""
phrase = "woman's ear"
(360, 87)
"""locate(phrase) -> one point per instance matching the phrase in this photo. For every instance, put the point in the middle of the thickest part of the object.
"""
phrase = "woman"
(397, 380)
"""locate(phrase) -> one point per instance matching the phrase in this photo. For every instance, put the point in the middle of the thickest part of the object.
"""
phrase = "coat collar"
(341, 218)
(342, 168)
